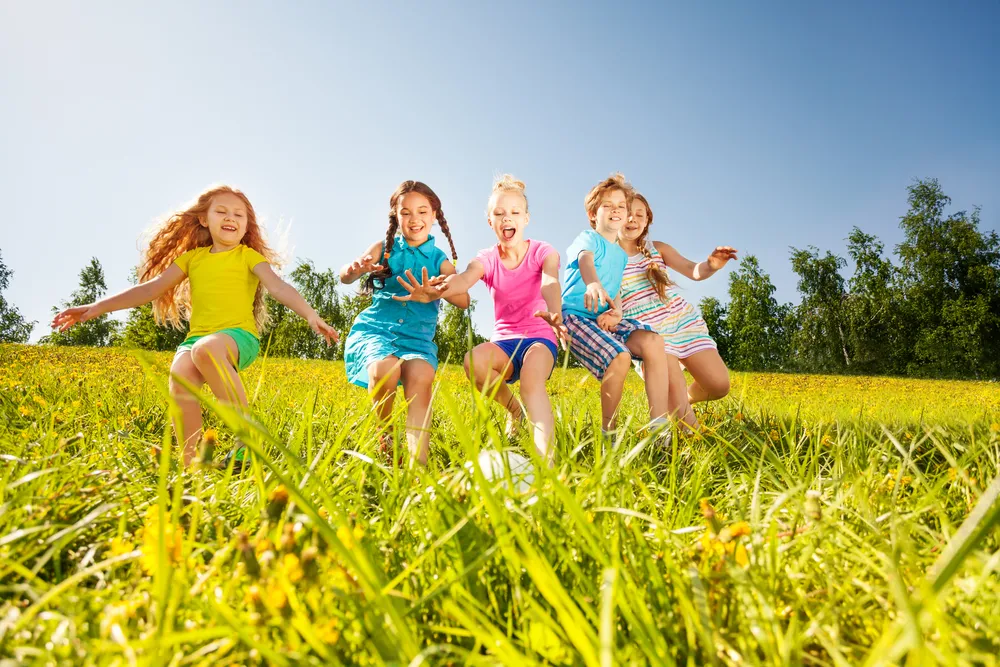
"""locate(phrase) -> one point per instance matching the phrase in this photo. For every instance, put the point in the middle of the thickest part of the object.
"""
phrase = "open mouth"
(508, 232)
(229, 228)
(415, 229)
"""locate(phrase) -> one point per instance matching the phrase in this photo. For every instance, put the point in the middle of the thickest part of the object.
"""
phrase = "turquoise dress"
(403, 329)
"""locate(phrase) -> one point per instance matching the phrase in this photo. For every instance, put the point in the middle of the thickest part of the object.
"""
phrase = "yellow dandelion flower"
(739, 529)
(119, 546)
(995, 427)
(773, 435)
(25, 411)
(172, 539)
(276, 596)
(292, 567)
(38, 399)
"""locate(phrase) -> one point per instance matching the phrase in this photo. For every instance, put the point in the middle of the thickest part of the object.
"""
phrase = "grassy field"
(818, 520)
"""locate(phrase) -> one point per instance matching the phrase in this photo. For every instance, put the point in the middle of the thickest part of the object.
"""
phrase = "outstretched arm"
(369, 261)
(461, 300)
(288, 296)
(595, 296)
(460, 283)
(134, 296)
(689, 269)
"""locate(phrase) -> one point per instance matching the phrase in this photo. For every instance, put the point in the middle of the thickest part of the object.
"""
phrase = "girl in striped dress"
(648, 295)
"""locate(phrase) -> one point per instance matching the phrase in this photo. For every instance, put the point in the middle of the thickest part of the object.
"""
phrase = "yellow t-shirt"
(222, 288)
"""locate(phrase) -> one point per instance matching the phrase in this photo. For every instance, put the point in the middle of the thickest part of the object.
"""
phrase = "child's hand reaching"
(75, 315)
(720, 256)
(319, 325)
(423, 291)
(363, 265)
(595, 297)
(609, 319)
(555, 321)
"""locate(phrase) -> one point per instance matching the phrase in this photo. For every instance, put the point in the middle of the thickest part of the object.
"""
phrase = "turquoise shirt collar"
(425, 249)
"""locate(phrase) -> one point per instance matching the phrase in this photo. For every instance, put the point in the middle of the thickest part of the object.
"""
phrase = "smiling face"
(416, 217)
(508, 218)
(637, 222)
(226, 219)
(612, 212)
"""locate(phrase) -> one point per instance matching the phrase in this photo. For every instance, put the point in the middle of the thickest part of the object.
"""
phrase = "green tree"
(873, 317)
(820, 340)
(714, 314)
(288, 335)
(456, 334)
(950, 283)
(98, 332)
(760, 329)
(13, 327)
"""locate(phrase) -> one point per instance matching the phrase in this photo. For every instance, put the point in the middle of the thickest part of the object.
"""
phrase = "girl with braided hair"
(392, 341)
(649, 296)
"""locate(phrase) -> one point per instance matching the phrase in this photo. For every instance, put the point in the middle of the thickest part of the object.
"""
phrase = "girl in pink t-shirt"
(523, 278)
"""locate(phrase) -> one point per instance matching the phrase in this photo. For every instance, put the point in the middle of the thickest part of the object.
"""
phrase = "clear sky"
(761, 125)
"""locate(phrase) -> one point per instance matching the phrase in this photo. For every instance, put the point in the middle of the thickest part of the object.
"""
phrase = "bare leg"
(649, 346)
(679, 406)
(418, 381)
(612, 385)
(489, 368)
(188, 426)
(383, 377)
(711, 377)
(535, 369)
(216, 357)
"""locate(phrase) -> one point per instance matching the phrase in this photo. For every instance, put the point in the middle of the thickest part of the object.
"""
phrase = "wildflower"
(276, 502)
(151, 535)
(118, 546)
(293, 568)
(25, 411)
(773, 435)
(827, 441)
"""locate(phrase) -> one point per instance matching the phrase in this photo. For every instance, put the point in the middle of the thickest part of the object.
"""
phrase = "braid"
(447, 234)
(656, 276)
(386, 272)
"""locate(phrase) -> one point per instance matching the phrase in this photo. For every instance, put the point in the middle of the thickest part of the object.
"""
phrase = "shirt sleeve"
(543, 251)
(252, 257)
(587, 241)
(184, 262)
(487, 258)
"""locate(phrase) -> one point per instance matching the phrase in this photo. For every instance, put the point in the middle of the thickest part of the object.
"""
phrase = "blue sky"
(758, 125)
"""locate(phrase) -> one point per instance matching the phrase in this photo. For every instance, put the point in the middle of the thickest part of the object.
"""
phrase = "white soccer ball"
(494, 469)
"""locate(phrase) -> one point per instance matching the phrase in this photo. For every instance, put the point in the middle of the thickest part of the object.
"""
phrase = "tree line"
(932, 309)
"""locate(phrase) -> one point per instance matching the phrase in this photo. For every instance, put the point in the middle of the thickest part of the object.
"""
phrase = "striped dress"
(678, 321)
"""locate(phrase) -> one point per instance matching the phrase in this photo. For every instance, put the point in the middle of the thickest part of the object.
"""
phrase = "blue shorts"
(516, 348)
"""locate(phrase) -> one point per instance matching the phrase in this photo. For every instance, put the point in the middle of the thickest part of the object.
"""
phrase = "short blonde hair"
(615, 181)
(506, 183)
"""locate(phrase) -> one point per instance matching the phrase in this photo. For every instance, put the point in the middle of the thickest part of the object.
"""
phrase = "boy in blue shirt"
(602, 341)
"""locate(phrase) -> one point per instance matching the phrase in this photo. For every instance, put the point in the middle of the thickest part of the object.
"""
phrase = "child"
(392, 341)
(649, 296)
(602, 341)
(523, 278)
(217, 245)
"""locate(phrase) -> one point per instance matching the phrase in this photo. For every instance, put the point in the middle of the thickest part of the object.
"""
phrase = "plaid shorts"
(596, 348)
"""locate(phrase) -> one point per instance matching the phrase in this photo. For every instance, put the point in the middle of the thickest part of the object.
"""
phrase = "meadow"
(816, 520)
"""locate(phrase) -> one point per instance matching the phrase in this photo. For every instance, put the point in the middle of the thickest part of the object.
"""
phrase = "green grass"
(817, 521)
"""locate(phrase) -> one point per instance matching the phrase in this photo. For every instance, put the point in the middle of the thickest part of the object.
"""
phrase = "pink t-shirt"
(517, 293)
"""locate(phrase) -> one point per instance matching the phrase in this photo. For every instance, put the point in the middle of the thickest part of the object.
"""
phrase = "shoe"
(386, 445)
(239, 455)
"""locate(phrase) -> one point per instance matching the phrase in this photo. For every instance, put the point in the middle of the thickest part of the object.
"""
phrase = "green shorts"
(246, 343)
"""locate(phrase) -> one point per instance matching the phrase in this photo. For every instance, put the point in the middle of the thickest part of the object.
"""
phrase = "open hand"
(609, 319)
(595, 297)
(720, 256)
(363, 265)
(319, 325)
(75, 315)
(423, 291)
(555, 321)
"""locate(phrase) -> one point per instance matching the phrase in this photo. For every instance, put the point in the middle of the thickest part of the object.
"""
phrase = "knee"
(716, 388)
(420, 379)
(385, 375)
(206, 356)
(478, 366)
(620, 364)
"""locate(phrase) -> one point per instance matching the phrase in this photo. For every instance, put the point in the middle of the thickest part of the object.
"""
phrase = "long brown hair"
(656, 276)
(376, 279)
(183, 231)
